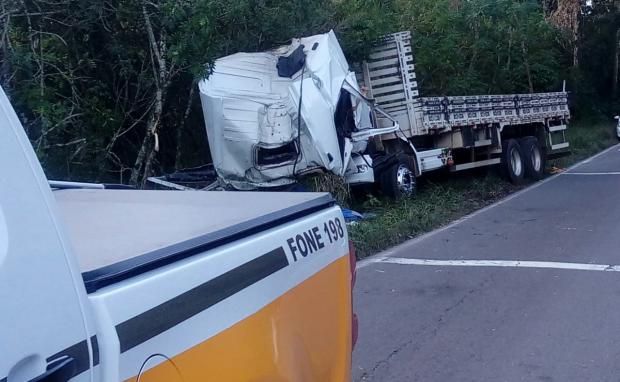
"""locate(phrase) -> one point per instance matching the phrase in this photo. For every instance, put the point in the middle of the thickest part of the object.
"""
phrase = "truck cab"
(272, 117)
(110, 285)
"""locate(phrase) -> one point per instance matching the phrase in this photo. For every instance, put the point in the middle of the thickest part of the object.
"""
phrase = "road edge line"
(502, 264)
(391, 251)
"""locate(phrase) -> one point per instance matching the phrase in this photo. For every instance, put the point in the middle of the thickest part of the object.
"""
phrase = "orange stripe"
(304, 335)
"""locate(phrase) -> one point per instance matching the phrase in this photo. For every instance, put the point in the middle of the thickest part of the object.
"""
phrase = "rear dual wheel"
(512, 161)
(522, 158)
(534, 158)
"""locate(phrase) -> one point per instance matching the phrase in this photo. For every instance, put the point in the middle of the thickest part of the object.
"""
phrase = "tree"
(566, 15)
(482, 46)
(599, 53)
(105, 89)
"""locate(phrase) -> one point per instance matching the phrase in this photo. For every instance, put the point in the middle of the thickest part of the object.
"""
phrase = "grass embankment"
(444, 198)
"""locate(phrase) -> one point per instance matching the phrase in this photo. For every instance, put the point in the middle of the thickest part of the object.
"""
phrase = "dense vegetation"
(106, 89)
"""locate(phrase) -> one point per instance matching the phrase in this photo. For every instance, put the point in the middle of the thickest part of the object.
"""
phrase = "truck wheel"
(533, 158)
(398, 181)
(512, 161)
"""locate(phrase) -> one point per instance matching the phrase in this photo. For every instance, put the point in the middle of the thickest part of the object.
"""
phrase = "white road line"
(392, 251)
(592, 173)
(500, 263)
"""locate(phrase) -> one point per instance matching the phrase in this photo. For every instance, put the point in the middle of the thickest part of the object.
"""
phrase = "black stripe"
(95, 345)
(123, 270)
(79, 352)
(147, 325)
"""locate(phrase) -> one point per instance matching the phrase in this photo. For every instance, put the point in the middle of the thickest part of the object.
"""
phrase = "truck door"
(43, 331)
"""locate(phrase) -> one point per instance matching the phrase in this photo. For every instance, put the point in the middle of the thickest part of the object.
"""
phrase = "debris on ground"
(556, 170)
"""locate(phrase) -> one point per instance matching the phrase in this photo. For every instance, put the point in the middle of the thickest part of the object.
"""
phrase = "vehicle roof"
(122, 231)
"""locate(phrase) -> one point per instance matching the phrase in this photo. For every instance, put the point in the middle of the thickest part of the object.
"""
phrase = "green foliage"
(361, 22)
(588, 137)
(470, 47)
(85, 76)
(436, 204)
(593, 82)
(86, 79)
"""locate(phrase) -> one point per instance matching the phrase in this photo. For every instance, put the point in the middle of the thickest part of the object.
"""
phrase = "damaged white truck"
(276, 116)
(272, 117)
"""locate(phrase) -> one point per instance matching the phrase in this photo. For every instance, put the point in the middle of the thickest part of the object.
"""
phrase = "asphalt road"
(513, 321)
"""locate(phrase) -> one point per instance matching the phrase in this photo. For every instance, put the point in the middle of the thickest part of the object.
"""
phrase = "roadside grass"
(443, 198)
(586, 139)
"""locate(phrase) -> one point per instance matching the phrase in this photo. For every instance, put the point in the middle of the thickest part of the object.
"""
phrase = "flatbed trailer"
(518, 131)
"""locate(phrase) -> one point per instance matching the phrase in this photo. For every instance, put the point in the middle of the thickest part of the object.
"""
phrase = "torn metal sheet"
(256, 135)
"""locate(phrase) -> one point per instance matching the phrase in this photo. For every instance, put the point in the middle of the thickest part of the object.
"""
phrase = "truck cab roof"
(117, 234)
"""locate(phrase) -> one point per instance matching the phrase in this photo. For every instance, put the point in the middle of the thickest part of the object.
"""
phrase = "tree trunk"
(616, 64)
(146, 155)
(139, 163)
(188, 109)
(148, 164)
(576, 52)
(528, 70)
(509, 59)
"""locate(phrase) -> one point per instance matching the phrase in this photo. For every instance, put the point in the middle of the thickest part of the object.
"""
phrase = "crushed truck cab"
(110, 285)
(273, 116)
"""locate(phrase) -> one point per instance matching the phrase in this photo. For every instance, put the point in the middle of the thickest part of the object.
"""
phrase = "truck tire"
(398, 181)
(512, 161)
(533, 158)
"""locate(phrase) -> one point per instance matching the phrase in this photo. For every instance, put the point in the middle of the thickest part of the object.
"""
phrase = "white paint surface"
(499, 263)
(4, 237)
(593, 173)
